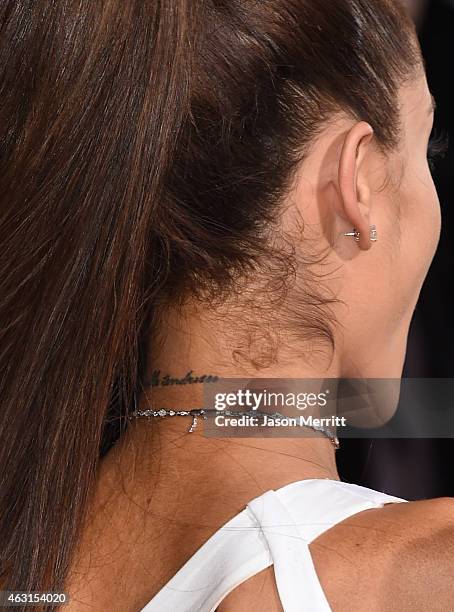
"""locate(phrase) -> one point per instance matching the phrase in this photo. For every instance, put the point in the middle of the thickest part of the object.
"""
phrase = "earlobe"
(354, 194)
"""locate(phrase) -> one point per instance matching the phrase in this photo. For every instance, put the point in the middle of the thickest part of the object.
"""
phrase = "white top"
(274, 529)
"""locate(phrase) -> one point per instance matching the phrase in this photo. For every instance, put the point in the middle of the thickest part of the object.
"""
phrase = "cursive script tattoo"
(157, 380)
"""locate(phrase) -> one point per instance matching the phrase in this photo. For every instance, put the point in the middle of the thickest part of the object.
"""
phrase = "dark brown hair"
(145, 146)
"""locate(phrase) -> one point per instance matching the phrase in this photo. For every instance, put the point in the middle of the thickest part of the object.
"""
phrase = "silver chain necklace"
(202, 413)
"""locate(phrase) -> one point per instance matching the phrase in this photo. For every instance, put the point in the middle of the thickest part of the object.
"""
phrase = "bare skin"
(399, 557)
(161, 492)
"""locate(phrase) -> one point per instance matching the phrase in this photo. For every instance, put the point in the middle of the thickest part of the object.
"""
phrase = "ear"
(353, 185)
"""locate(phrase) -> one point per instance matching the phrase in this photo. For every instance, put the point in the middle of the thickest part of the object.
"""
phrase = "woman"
(191, 187)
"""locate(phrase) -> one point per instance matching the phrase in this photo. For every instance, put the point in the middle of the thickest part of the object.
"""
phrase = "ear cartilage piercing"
(355, 234)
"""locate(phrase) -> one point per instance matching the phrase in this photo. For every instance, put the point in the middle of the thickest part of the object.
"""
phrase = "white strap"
(276, 527)
(297, 581)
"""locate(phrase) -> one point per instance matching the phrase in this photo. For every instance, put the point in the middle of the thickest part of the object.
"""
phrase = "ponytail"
(92, 98)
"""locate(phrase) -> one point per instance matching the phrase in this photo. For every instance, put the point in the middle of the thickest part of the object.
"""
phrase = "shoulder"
(397, 557)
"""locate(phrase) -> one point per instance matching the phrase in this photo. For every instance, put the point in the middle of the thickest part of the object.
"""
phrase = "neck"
(199, 467)
(246, 466)
(161, 492)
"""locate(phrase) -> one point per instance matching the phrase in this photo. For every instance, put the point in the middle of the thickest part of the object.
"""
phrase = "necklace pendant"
(193, 424)
(195, 416)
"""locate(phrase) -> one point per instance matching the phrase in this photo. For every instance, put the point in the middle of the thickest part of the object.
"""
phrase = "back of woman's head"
(145, 149)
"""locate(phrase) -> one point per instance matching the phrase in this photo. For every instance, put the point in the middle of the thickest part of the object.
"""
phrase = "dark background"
(423, 468)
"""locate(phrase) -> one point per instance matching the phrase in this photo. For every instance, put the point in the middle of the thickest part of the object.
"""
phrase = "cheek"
(421, 222)
(419, 233)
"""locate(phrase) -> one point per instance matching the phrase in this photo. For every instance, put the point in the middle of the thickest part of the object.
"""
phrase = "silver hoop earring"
(355, 234)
